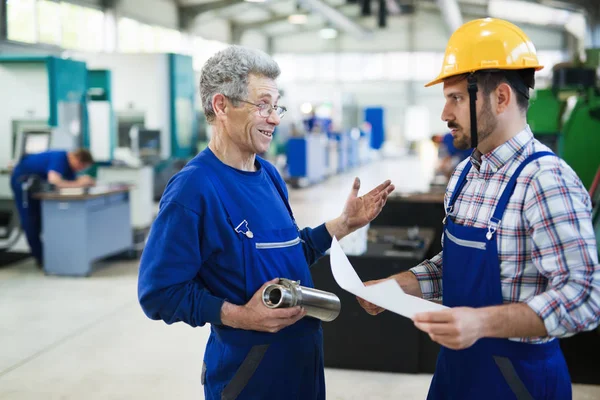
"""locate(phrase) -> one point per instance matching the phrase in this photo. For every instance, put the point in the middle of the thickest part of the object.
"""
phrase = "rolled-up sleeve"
(557, 211)
(429, 275)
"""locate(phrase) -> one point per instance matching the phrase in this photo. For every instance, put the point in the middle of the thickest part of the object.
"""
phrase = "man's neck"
(231, 155)
(501, 136)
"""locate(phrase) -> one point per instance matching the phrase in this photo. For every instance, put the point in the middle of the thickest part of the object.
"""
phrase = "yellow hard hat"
(487, 43)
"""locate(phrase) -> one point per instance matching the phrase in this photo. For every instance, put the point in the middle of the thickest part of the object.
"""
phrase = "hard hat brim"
(443, 77)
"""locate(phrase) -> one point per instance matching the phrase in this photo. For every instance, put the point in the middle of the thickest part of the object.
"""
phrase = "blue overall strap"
(510, 187)
(277, 186)
(459, 185)
(237, 222)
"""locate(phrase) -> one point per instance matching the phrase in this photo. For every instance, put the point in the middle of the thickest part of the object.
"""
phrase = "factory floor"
(87, 338)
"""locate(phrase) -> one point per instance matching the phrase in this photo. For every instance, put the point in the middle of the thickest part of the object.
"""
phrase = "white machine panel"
(142, 194)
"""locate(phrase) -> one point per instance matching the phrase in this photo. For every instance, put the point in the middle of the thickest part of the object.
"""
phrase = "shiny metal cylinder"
(318, 304)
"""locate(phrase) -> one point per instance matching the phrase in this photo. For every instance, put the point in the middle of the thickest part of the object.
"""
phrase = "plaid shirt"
(546, 243)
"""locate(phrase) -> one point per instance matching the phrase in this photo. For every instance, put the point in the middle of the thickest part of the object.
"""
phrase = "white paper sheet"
(386, 294)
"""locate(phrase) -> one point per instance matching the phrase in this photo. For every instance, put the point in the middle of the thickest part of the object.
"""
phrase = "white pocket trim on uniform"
(466, 243)
(278, 245)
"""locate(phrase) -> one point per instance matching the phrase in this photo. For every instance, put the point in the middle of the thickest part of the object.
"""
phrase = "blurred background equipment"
(566, 116)
(121, 78)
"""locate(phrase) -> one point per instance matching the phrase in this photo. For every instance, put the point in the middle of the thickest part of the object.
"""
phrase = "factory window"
(168, 40)
(48, 22)
(425, 65)
(373, 66)
(82, 28)
(203, 49)
(327, 66)
(397, 66)
(351, 66)
(148, 38)
(287, 65)
(306, 69)
(129, 32)
(21, 20)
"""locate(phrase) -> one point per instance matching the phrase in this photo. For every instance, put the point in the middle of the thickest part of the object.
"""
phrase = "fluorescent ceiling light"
(298, 19)
(328, 33)
(256, 1)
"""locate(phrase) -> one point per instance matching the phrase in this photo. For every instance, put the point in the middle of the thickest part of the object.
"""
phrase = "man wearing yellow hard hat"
(519, 265)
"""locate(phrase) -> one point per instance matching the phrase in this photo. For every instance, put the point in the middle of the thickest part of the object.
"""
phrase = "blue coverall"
(492, 368)
(220, 235)
(29, 208)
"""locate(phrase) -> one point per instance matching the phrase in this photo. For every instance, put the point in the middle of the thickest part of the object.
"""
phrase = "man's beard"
(486, 124)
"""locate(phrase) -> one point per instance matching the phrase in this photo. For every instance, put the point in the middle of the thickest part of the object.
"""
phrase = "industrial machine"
(118, 144)
(566, 116)
(153, 96)
(43, 92)
(102, 124)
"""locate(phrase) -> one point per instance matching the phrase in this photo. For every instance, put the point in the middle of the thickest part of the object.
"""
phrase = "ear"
(504, 96)
(219, 104)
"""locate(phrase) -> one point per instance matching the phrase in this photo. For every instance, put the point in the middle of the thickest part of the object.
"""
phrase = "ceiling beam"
(108, 4)
(187, 13)
(336, 18)
(451, 14)
(195, 9)
(279, 18)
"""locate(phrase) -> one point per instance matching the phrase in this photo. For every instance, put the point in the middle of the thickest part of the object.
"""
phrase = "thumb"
(276, 280)
(355, 188)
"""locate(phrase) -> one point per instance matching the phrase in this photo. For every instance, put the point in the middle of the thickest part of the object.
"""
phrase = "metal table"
(81, 227)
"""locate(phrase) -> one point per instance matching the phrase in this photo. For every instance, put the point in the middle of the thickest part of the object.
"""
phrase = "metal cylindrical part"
(275, 296)
(317, 303)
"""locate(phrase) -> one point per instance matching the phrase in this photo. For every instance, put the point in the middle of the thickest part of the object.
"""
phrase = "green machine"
(566, 117)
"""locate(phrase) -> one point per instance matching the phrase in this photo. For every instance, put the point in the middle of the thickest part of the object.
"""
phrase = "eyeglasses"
(264, 109)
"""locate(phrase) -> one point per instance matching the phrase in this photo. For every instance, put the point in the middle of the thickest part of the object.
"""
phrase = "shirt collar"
(497, 158)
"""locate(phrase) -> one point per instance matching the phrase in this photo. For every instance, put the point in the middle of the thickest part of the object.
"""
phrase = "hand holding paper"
(386, 294)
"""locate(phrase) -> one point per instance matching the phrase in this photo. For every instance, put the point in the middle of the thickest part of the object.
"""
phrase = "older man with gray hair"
(225, 230)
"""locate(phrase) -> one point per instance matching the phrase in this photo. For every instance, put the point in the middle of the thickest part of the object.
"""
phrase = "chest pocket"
(278, 245)
(276, 254)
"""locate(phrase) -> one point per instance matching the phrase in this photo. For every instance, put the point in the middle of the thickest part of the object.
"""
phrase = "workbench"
(81, 226)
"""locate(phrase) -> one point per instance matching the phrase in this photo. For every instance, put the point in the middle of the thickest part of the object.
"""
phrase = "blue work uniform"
(29, 208)
(493, 368)
(221, 233)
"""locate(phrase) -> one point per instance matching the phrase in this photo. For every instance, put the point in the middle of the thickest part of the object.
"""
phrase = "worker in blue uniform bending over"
(519, 265)
(225, 230)
(57, 167)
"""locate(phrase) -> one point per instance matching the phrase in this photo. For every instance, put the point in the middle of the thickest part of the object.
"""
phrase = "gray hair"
(227, 73)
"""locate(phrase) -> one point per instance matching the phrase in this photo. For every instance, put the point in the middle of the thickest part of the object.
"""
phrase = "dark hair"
(519, 80)
(84, 156)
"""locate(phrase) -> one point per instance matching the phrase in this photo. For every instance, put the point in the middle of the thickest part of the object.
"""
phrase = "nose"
(274, 118)
(446, 114)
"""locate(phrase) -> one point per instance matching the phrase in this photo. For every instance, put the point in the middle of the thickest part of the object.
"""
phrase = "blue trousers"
(287, 369)
(30, 216)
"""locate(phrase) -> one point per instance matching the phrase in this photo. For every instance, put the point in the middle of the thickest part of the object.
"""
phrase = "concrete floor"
(87, 338)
